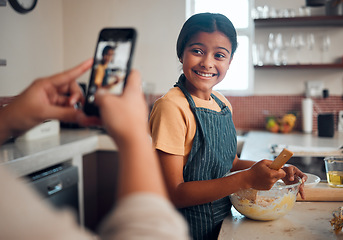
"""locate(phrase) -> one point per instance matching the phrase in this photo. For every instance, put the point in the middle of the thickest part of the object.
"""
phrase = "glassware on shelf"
(310, 43)
(270, 49)
(273, 13)
(326, 43)
(271, 41)
(258, 54)
(261, 12)
(298, 42)
(304, 11)
(281, 45)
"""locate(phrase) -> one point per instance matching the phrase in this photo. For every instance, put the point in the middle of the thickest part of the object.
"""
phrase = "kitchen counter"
(307, 220)
(25, 157)
(257, 143)
(309, 149)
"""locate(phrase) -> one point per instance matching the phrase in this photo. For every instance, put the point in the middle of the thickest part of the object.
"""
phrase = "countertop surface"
(307, 220)
(257, 143)
(24, 157)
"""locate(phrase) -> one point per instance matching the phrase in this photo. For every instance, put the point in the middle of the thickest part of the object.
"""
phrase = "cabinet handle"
(52, 189)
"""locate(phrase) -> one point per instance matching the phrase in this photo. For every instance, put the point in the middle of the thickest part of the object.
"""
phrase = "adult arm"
(125, 119)
(143, 209)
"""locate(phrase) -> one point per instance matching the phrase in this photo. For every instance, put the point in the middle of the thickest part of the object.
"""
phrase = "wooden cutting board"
(322, 192)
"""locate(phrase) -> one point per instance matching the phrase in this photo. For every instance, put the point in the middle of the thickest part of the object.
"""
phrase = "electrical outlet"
(3, 62)
(314, 88)
(340, 121)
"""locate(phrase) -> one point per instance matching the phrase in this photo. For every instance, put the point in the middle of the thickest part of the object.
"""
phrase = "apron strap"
(181, 84)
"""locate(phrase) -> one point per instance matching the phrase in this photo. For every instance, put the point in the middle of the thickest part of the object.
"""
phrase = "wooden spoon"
(281, 159)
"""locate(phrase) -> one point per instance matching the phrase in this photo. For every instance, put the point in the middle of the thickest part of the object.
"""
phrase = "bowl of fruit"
(283, 125)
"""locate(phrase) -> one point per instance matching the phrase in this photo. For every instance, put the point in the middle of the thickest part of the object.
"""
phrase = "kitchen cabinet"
(78, 147)
(297, 22)
(100, 172)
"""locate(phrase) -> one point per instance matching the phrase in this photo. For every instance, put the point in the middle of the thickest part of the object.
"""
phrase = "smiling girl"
(193, 131)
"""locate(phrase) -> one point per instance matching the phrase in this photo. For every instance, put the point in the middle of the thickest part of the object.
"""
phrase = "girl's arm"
(290, 170)
(239, 164)
(184, 194)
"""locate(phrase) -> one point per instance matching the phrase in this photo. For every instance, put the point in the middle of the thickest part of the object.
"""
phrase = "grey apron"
(212, 154)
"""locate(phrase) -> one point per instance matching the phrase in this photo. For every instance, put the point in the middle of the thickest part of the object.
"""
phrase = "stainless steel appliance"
(308, 164)
(58, 184)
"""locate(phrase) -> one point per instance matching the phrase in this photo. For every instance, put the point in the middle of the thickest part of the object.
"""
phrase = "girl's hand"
(262, 177)
(292, 173)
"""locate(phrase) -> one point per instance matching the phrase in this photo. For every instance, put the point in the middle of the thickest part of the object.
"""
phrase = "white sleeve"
(144, 216)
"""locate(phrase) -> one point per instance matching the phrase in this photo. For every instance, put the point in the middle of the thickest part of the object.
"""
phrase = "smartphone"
(112, 62)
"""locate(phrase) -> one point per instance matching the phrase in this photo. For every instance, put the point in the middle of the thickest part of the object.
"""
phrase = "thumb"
(133, 82)
(100, 96)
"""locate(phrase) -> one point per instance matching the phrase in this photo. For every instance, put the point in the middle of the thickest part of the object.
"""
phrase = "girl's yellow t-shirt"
(172, 122)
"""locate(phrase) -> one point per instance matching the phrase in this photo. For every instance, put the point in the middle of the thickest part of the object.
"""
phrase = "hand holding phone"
(112, 63)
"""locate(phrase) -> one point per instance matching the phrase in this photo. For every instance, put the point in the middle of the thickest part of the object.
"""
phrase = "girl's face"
(206, 59)
(108, 57)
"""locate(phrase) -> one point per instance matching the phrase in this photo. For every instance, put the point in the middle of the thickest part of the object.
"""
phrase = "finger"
(133, 82)
(76, 94)
(62, 100)
(71, 74)
(302, 191)
(292, 172)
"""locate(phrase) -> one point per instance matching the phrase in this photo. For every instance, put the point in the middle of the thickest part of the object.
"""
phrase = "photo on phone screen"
(112, 60)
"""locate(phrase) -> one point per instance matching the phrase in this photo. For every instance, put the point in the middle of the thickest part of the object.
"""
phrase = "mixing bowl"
(266, 205)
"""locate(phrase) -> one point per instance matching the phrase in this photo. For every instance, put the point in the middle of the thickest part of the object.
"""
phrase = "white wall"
(61, 34)
(31, 43)
(158, 23)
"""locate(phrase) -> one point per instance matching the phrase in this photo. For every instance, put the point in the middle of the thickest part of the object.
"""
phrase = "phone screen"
(112, 61)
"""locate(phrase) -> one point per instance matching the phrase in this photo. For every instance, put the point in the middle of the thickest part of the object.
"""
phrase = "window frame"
(250, 33)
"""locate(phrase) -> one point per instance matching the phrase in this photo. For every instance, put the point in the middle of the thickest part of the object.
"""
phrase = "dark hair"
(206, 22)
(106, 50)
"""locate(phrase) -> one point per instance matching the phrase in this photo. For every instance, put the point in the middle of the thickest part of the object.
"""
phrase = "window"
(239, 78)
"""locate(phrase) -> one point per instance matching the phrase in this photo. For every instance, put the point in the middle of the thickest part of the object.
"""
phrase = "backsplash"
(249, 112)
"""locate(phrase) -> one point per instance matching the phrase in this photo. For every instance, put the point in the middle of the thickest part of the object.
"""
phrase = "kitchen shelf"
(314, 21)
(302, 66)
